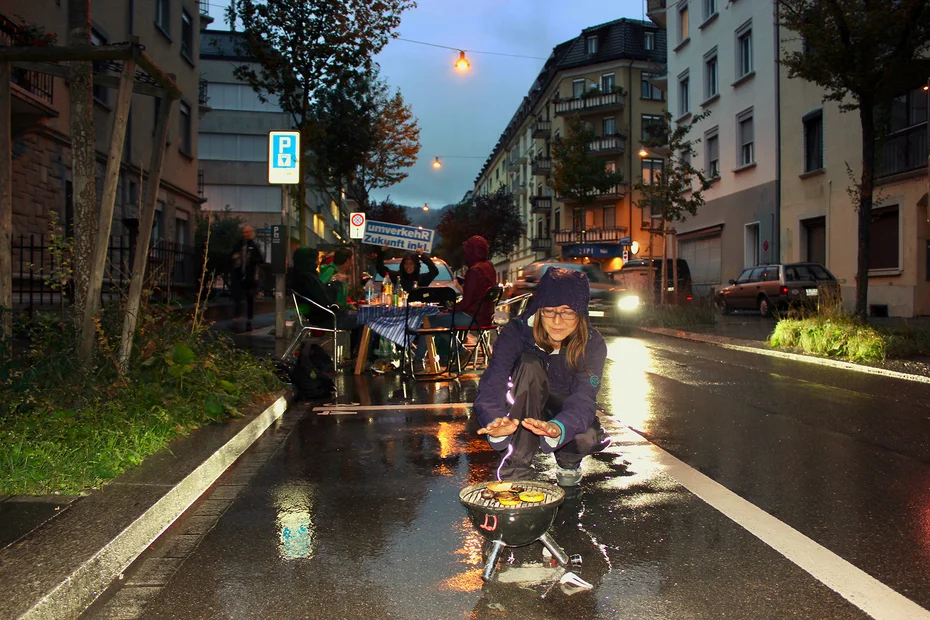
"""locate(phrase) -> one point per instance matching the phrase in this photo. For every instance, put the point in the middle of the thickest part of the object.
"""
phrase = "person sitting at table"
(480, 276)
(335, 275)
(540, 388)
(306, 282)
(408, 276)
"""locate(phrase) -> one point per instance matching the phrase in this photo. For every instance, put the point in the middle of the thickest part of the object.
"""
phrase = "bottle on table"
(370, 291)
(387, 291)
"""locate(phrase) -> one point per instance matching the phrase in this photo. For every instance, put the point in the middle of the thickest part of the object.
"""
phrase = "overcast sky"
(463, 114)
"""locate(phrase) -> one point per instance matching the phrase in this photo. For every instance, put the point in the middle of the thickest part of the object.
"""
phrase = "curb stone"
(737, 344)
(59, 569)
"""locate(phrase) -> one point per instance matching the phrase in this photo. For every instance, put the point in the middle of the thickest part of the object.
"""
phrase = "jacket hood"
(560, 286)
(476, 250)
(416, 264)
(305, 259)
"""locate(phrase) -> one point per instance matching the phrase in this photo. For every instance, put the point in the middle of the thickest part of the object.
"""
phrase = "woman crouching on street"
(538, 391)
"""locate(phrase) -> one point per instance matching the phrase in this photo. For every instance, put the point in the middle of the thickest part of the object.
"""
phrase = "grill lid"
(471, 497)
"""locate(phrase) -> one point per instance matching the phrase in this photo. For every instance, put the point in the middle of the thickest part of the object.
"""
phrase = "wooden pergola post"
(6, 204)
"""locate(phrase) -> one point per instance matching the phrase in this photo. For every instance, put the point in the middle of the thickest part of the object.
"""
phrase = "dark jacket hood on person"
(561, 287)
(475, 249)
(416, 266)
(305, 259)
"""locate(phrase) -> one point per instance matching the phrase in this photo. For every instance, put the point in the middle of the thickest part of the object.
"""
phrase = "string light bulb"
(462, 63)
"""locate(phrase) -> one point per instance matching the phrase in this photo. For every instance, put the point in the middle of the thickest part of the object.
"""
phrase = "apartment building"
(234, 152)
(42, 176)
(721, 59)
(819, 221)
(603, 76)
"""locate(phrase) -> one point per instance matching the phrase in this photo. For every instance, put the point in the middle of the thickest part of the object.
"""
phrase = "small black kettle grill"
(514, 526)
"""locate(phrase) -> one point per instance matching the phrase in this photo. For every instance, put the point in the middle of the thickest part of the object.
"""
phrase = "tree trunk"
(866, 188)
(146, 218)
(82, 164)
(6, 210)
(110, 183)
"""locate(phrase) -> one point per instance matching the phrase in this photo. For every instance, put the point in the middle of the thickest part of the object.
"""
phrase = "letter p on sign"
(284, 157)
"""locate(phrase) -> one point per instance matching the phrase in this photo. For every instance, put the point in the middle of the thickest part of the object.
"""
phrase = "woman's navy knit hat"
(558, 287)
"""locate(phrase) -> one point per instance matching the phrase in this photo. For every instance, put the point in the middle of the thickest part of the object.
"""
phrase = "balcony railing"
(542, 166)
(611, 194)
(902, 151)
(591, 103)
(655, 10)
(39, 84)
(540, 204)
(590, 235)
(604, 145)
(543, 244)
(518, 189)
(542, 129)
(512, 164)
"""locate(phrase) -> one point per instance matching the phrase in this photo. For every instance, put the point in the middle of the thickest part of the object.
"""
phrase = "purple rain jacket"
(558, 286)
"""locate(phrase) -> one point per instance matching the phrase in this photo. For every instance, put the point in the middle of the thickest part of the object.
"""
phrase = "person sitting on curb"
(409, 275)
(552, 360)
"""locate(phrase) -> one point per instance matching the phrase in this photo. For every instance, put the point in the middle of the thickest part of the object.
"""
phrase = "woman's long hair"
(573, 346)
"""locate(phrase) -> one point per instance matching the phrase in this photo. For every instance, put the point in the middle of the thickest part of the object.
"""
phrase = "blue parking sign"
(284, 157)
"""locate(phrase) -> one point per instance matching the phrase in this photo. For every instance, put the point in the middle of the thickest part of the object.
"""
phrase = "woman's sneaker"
(568, 477)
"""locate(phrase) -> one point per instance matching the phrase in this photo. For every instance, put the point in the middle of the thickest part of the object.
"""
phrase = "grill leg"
(557, 552)
(493, 556)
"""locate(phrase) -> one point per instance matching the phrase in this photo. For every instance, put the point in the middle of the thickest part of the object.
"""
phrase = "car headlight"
(628, 303)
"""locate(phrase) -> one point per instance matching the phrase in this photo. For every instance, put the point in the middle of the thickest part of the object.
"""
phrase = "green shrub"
(65, 428)
(830, 335)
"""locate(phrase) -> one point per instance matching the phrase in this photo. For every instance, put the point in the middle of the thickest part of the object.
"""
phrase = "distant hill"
(426, 219)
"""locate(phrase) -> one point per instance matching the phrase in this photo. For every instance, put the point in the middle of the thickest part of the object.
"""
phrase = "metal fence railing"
(39, 281)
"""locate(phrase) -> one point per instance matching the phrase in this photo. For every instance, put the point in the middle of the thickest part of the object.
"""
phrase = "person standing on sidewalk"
(244, 269)
(547, 364)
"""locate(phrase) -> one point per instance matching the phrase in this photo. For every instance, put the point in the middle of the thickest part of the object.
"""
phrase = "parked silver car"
(767, 288)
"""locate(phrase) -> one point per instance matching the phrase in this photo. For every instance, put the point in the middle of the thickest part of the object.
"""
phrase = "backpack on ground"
(308, 376)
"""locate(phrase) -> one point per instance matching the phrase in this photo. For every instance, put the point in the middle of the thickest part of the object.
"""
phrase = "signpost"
(356, 225)
(407, 238)
(283, 169)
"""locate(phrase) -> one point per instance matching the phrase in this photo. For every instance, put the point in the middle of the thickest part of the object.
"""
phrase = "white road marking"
(853, 584)
(397, 407)
(338, 412)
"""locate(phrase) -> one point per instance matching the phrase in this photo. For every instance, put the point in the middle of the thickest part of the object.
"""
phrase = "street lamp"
(426, 207)
(462, 63)
(643, 153)
(437, 164)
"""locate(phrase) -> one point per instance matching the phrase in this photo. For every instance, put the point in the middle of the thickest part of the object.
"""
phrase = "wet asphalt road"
(354, 512)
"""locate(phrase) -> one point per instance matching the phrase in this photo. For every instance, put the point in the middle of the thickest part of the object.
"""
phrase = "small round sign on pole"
(357, 225)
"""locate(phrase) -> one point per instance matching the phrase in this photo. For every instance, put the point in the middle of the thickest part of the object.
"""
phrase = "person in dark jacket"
(480, 276)
(409, 272)
(306, 282)
(244, 263)
(547, 364)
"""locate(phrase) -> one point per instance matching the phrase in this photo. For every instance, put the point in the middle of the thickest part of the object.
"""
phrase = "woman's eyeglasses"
(565, 315)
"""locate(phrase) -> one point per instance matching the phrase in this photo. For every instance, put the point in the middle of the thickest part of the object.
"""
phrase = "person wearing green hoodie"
(335, 275)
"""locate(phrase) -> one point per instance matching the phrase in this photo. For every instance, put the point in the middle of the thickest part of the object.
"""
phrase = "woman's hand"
(540, 427)
(500, 427)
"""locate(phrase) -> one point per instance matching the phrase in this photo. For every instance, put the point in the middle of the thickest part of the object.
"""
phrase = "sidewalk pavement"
(57, 554)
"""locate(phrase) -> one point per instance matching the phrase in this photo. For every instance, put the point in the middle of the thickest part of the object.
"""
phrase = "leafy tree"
(678, 189)
(578, 175)
(303, 49)
(387, 211)
(394, 148)
(493, 216)
(864, 53)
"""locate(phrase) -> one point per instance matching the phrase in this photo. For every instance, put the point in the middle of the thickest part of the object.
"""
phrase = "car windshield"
(810, 271)
(394, 265)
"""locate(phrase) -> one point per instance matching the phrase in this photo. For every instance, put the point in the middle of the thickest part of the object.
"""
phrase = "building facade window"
(577, 88)
(745, 138)
(101, 93)
(710, 9)
(711, 84)
(185, 128)
(884, 244)
(239, 97)
(649, 41)
(608, 82)
(230, 147)
(187, 36)
(712, 153)
(684, 94)
(648, 90)
(683, 22)
(652, 127)
(591, 45)
(163, 15)
(652, 170)
(744, 50)
(813, 141)
(609, 126)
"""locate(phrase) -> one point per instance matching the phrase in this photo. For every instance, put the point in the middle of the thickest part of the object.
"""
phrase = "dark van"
(633, 279)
